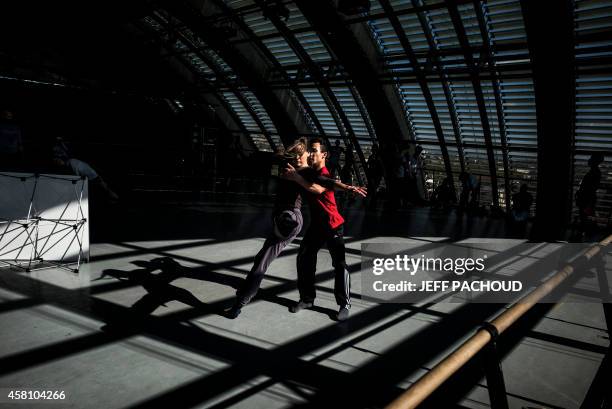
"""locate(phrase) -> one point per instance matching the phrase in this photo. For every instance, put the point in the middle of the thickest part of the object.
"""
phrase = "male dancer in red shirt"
(326, 227)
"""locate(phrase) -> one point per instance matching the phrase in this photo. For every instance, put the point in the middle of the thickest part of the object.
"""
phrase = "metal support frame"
(458, 51)
(353, 20)
(493, 369)
(364, 112)
(40, 245)
(552, 54)
(509, 72)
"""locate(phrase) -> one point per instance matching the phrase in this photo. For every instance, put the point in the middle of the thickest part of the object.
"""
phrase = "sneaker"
(233, 312)
(343, 314)
(301, 305)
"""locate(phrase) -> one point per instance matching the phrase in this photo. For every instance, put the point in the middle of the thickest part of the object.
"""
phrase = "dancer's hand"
(289, 173)
(358, 190)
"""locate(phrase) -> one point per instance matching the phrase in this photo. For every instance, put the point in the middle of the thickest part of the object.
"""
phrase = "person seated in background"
(11, 144)
(62, 158)
(521, 204)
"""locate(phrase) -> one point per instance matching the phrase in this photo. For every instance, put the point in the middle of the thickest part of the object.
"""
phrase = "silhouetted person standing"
(521, 204)
(470, 191)
(444, 195)
(346, 174)
(394, 186)
(417, 171)
(375, 174)
(334, 158)
(586, 196)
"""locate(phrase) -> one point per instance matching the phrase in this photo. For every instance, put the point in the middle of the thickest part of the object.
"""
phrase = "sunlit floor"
(117, 335)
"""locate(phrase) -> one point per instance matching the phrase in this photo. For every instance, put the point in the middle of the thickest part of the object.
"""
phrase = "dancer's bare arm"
(324, 183)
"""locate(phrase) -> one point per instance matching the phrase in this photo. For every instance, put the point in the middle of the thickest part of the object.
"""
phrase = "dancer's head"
(297, 153)
(318, 153)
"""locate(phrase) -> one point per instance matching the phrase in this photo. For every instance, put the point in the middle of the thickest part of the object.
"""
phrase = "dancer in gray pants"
(287, 220)
(272, 247)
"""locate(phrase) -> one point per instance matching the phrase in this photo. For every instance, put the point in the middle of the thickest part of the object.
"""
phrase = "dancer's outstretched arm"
(321, 183)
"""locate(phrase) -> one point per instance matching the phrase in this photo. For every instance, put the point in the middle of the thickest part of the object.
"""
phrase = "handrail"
(428, 383)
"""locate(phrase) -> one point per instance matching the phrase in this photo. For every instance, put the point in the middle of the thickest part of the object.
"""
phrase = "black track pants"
(315, 238)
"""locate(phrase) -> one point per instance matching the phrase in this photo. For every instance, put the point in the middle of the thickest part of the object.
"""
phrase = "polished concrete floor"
(123, 333)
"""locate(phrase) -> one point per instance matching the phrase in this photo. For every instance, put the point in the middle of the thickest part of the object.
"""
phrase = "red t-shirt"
(323, 207)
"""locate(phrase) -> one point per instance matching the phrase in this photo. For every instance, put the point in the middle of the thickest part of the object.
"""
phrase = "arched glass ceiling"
(321, 110)
(355, 116)
(432, 36)
(497, 61)
(461, 70)
(245, 117)
(471, 89)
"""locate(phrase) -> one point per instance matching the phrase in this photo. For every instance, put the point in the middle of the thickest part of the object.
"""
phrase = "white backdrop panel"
(61, 203)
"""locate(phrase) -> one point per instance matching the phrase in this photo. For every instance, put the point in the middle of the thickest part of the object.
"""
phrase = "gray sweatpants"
(271, 249)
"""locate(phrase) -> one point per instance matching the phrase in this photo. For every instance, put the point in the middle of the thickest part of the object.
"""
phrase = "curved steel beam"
(435, 56)
(223, 79)
(503, 133)
(332, 102)
(364, 113)
(266, 52)
(190, 68)
(422, 80)
(325, 20)
(192, 18)
(453, 11)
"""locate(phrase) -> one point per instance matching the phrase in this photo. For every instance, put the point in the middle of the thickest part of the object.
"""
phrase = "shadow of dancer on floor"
(156, 277)
(159, 289)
